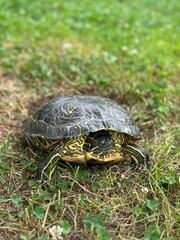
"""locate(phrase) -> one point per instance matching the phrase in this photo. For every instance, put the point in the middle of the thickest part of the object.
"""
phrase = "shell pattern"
(67, 117)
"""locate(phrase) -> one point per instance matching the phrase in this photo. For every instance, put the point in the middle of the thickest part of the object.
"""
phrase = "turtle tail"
(138, 155)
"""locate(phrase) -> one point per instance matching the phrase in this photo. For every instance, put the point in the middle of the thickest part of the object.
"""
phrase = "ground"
(126, 51)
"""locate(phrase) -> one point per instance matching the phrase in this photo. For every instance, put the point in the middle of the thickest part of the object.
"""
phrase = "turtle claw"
(139, 166)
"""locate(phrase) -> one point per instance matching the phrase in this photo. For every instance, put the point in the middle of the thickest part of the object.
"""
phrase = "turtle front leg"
(138, 155)
(48, 166)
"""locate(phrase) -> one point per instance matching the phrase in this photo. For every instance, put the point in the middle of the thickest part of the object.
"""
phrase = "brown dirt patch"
(17, 102)
(12, 106)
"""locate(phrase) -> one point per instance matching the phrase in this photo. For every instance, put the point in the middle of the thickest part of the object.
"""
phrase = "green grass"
(125, 50)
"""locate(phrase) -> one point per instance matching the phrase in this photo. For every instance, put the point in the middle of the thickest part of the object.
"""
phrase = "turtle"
(84, 129)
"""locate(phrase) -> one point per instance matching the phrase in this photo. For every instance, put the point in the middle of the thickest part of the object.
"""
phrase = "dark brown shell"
(67, 117)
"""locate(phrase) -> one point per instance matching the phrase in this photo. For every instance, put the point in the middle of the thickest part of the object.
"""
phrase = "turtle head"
(100, 146)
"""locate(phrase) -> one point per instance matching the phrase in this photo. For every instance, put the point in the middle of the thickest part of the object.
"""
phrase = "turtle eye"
(102, 141)
(98, 142)
(94, 142)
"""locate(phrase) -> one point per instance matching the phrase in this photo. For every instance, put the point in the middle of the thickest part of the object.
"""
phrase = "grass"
(124, 50)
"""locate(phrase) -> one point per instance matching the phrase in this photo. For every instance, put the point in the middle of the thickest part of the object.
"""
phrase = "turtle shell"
(67, 117)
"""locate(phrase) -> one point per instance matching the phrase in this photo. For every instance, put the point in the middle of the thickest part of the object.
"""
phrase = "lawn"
(127, 51)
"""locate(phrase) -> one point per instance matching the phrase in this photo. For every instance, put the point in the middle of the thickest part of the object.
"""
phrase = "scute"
(67, 117)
